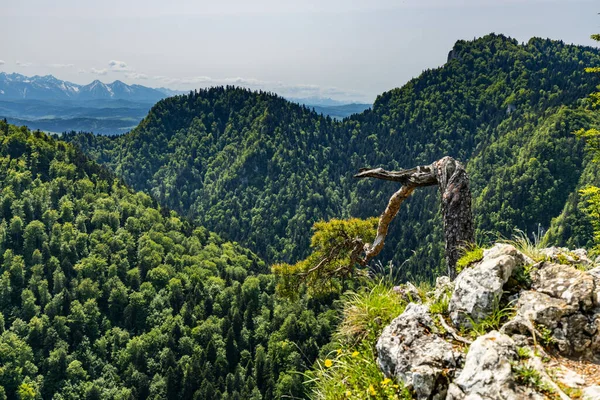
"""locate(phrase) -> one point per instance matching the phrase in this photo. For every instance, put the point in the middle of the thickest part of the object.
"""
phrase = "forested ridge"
(260, 170)
(106, 295)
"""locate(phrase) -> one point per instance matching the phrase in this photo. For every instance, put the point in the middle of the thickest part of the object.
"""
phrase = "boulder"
(487, 373)
(591, 393)
(565, 282)
(410, 350)
(542, 309)
(572, 331)
(478, 289)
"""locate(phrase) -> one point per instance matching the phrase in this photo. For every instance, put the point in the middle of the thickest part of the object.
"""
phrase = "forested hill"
(260, 170)
(104, 295)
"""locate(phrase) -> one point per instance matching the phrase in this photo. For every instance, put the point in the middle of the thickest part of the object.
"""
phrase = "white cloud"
(61, 65)
(135, 75)
(95, 71)
(2, 62)
(301, 90)
(24, 64)
(81, 71)
(119, 66)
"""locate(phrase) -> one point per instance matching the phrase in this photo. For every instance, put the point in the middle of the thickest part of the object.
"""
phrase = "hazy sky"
(343, 49)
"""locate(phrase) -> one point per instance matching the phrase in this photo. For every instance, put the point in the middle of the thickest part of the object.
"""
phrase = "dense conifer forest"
(105, 294)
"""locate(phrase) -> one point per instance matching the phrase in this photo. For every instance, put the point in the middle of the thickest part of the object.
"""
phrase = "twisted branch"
(453, 181)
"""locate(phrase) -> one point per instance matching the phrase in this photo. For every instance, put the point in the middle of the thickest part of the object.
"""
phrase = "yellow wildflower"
(339, 351)
(348, 393)
(355, 354)
(328, 363)
(386, 381)
(372, 390)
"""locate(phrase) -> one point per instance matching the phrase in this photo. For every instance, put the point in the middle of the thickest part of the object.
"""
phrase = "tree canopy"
(106, 295)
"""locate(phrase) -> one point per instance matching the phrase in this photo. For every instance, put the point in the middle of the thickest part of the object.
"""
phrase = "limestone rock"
(572, 331)
(487, 373)
(477, 289)
(591, 393)
(542, 309)
(443, 287)
(411, 351)
(561, 281)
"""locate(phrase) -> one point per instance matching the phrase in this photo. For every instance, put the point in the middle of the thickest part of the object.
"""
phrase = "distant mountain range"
(20, 87)
(340, 111)
(54, 105)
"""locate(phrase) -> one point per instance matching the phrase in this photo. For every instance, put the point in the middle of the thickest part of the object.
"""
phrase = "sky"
(347, 50)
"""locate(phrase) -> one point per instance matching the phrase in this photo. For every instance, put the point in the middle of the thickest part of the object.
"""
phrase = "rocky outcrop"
(595, 273)
(488, 374)
(557, 305)
(574, 286)
(478, 290)
(561, 303)
(410, 350)
(408, 292)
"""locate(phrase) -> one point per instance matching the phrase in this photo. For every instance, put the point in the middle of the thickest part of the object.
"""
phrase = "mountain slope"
(104, 295)
(260, 170)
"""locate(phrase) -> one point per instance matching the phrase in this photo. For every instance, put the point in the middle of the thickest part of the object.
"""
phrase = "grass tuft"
(367, 312)
(351, 371)
(492, 322)
(531, 248)
(441, 304)
(529, 376)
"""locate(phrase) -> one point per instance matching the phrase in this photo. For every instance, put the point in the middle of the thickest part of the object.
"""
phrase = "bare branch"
(420, 176)
(371, 250)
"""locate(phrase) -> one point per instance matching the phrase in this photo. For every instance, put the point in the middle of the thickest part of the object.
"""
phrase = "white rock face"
(476, 289)
(559, 302)
(543, 309)
(411, 351)
(591, 393)
(487, 373)
(564, 282)
(563, 302)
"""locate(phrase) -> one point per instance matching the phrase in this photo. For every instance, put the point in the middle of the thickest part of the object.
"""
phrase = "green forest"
(145, 265)
(106, 295)
(260, 170)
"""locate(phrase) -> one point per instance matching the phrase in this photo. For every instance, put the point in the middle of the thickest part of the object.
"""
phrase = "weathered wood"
(371, 250)
(453, 181)
(455, 194)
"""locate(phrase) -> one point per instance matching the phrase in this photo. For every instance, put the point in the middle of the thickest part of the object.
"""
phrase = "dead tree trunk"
(453, 182)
